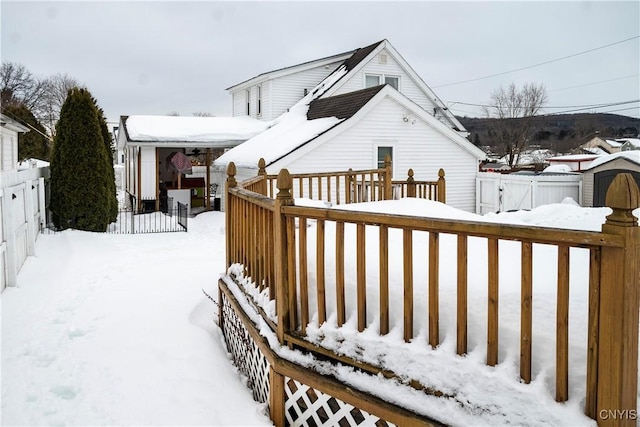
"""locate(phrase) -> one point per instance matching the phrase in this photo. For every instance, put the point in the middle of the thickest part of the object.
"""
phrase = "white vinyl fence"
(22, 214)
(497, 192)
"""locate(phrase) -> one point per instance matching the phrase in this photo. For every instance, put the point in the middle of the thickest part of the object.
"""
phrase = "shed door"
(602, 181)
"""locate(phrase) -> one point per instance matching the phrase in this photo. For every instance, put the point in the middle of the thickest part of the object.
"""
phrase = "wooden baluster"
(492, 311)
(526, 311)
(462, 311)
(434, 284)
(384, 280)
(407, 239)
(340, 299)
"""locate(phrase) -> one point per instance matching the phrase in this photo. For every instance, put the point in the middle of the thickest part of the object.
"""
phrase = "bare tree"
(515, 107)
(57, 88)
(42, 96)
(202, 114)
(19, 87)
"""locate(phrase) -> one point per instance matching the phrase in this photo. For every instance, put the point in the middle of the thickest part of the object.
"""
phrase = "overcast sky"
(155, 57)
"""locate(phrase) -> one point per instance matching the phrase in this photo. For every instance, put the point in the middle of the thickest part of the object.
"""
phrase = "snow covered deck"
(469, 319)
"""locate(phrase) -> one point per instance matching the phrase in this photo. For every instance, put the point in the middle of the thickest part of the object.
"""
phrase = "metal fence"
(129, 222)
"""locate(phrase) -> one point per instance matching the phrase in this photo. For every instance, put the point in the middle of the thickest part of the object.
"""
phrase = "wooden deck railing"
(269, 238)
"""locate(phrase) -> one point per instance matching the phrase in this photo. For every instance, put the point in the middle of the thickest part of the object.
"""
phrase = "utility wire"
(594, 83)
(27, 125)
(605, 104)
(536, 65)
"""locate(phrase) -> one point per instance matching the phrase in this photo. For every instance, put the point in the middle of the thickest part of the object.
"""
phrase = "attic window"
(371, 80)
(392, 81)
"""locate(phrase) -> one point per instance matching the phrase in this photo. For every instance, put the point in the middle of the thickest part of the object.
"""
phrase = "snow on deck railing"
(378, 291)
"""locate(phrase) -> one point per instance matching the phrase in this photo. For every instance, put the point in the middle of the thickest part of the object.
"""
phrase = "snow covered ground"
(115, 330)
(110, 329)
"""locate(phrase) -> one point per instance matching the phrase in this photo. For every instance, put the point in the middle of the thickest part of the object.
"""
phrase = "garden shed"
(598, 177)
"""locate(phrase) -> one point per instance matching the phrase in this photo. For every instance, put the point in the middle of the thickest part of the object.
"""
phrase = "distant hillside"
(562, 132)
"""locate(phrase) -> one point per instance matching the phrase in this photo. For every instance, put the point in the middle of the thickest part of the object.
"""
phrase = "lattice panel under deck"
(246, 354)
(306, 406)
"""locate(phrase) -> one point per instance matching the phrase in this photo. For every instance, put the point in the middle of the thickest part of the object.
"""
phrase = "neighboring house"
(268, 95)
(575, 162)
(9, 130)
(598, 177)
(22, 202)
(373, 104)
(601, 145)
(630, 144)
(148, 141)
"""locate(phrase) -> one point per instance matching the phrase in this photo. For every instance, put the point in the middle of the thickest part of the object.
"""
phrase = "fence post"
(262, 171)
(281, 251)
(277, 398)
(442, 188)
(411, 184)
(230, 183)
(617, 330)
(387, 178)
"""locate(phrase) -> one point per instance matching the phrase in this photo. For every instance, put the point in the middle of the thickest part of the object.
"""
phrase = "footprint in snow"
(64, 392)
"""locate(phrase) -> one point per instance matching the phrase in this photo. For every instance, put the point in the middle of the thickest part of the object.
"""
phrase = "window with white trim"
(259, 104)
(371, 80)
(382, 152)
(247, 97)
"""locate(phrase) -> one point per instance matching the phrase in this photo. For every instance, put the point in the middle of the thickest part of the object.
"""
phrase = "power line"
(537, 65)
(594, 83)
(604, 104)
(27, 125)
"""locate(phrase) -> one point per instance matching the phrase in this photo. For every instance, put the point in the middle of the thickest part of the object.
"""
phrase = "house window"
(383, 152)
(248, 99)
(371, 80)
(259, 105)
(392, 81)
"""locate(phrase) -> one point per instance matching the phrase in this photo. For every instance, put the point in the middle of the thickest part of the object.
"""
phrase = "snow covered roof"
(633, 156)
(13, 125)
(634, 142)
(613, 143)
(573, 158)
(313, 116)
(32, 164)
(199, 131)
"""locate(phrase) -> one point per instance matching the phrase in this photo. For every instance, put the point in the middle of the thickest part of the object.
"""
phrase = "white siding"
(407, 86)
(238, 104)
(417, 146)
(8, 150)
(280, 93)
(148, 172)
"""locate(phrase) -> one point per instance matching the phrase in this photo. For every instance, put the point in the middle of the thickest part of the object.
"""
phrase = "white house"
(22, 203)
(629, 144)
(372, 104)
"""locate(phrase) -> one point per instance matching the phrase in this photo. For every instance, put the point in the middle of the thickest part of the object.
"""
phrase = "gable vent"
(383, 58)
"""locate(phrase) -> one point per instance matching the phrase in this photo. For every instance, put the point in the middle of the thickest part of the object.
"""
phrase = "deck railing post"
(442, 187)
(230, 183)
(411, 184)
(388, 176)
(350, 194)
(281, 252)
(277, 398)
(262, 171)
(617, 323)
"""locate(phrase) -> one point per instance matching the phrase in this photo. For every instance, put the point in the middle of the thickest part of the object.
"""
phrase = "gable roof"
(341, 106)
(280, 72)
(317, 119)
(361, 56)
(632, 156)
